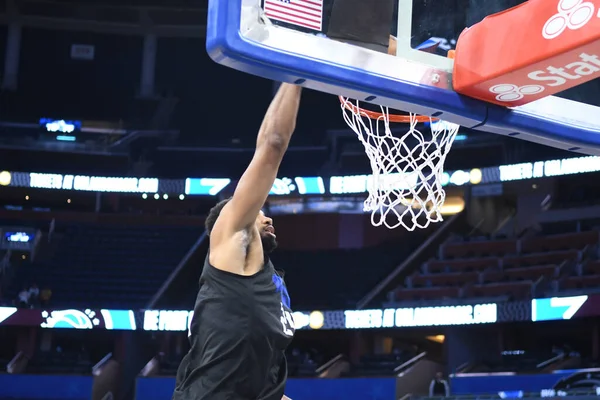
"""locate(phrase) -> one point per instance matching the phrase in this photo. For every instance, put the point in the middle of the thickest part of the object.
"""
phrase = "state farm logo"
(572, 14)
(587, 66)
(507, 92)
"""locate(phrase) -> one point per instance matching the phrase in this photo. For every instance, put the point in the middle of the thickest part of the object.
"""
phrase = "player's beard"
(269, 242)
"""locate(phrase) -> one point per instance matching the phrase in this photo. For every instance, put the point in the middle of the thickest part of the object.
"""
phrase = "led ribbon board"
(556, 308)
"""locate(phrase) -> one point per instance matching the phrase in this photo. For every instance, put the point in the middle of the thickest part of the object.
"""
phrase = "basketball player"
(242, 321)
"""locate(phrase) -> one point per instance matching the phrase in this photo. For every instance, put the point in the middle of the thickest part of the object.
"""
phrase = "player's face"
(265, 227)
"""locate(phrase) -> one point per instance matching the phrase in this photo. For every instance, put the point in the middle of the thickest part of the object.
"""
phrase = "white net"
(406, 186)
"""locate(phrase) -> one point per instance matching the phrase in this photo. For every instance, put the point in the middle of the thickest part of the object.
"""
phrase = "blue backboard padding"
(505, 121)
(228, 47)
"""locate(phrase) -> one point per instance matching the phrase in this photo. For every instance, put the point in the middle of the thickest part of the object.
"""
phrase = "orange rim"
(402, 119)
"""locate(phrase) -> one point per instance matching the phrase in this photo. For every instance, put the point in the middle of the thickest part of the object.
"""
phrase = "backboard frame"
(240, 37)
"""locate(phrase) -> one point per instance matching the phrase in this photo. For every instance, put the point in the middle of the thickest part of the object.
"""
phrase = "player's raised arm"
(256, 182)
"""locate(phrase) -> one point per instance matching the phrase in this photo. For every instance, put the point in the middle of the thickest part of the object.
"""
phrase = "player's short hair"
(213, 214)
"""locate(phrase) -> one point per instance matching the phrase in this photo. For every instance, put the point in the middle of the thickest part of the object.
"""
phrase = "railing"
(150, 368)
(328, 364)
(564, 265)
(450, 239)
(502, 224)
(400, 368)
(462, 368)
(534, 286)
(36, 243)
(14, 366)
(550, 361)
(108, 396)
(475, 229)
(97, 369)
(161, 291)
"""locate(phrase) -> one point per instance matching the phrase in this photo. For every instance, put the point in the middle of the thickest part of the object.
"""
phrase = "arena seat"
(378, 364)
(555, 257)
(515, 290)
(302, 363)
(592, 268)
(443, 279)
(433, 293)
(520, 274)
(109, 266)
(503, 267)
(479, 249)
(581, 282)
(315, 278)
(461, 266)
(59, 362)
(568, 241)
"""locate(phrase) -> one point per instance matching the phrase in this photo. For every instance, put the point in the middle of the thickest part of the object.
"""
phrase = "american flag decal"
(305, 13)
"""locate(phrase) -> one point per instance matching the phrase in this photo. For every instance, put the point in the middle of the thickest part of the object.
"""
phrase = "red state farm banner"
(531, 51)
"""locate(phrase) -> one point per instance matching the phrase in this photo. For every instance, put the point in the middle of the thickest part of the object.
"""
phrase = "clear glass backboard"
(395, 53)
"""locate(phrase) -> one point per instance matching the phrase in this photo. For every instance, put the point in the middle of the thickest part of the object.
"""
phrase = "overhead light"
(437, 338)
(66, 138)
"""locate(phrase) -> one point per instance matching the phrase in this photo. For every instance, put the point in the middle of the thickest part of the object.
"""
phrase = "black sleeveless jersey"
(239, 332)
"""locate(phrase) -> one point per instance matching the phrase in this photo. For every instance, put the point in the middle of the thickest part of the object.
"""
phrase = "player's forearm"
(280, 120)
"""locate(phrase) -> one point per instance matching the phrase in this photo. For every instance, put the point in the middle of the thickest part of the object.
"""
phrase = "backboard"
(342, 47)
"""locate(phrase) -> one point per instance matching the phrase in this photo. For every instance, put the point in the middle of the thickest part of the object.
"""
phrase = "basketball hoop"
(406, 186)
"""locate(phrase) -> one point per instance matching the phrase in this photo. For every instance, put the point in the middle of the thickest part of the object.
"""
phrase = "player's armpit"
(272, 142)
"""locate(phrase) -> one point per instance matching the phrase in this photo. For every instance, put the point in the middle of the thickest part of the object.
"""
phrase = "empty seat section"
(434, 293)
(514, 290)
(479, 249)
(521, 274)
(557, 258)
(108, 266)
(592, 268)
(568, 241)
(461, 266)
(581, 282)
(442, 279)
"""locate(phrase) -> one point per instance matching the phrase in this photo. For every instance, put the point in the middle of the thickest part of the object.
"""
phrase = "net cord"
(405, 188)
